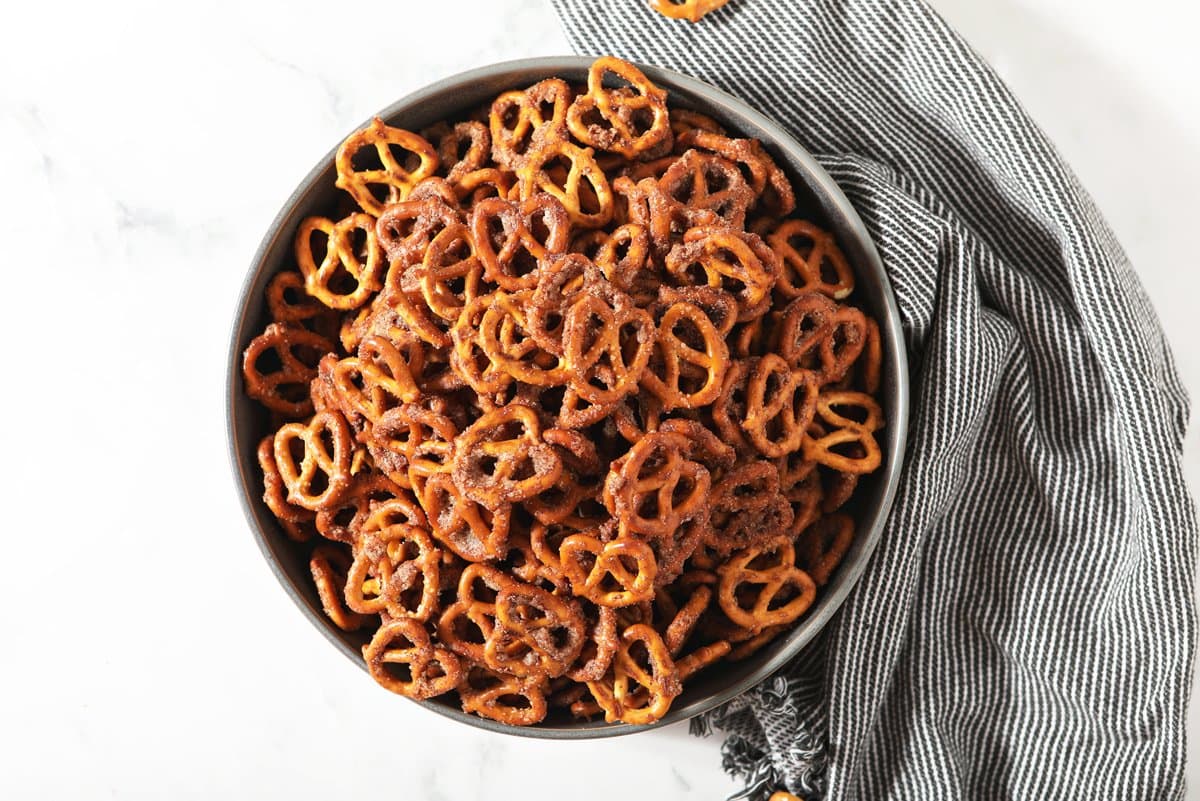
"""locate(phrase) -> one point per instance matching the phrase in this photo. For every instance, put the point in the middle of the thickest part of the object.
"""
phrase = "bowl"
(818, 198)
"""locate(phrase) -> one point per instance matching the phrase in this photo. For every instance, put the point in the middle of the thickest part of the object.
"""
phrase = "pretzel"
(395, 571)
(689, 359)
(811, 261)
(780, 402)
(598, 650)
(617, 573)
(655, 473)
(817, 333)
(296, 351)
(345, 260)
(579, 183)
(730, 259)
(772, 569)
(461, 148)
(624, 257)
(748, 509)
(431, 669)
(510, 255)
(329, 566)
(769, 183)
(344, 520)
(379, 378)
(631, 121)
(518, 120)
(502, 457)
(607, 342)
(823, 545)
(468, 529)
(494, 696)
(536, 633)
(703, 186)
(288, 302)
(691, 10)
(319, 463)
(638, 689)
(846, 431)
(449, 259)
(396, 179)
(412, 441)
(506, 338)
(297, 522)
(580, 478)
(405, 229)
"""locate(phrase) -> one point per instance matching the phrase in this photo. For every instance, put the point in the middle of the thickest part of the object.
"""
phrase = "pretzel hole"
(589, 201)
(683, 490)
(803, 245)
(514, 701)
(851, 411)
(481, 591)
(268, 362)
(648, 507)
(344, 516)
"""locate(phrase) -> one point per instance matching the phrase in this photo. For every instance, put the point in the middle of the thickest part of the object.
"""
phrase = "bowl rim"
(817, 181)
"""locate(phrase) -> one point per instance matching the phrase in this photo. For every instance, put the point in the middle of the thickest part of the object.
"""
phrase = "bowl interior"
(818, 199)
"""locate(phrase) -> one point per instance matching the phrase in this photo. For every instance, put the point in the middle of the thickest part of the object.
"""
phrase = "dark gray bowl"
(818, 198)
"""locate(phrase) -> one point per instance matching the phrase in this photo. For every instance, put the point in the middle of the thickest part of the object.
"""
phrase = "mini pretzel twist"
(432, 670)
(817, 333)
(396, 179)
(346, 519)
(297, 521)
(395, 571)
(494, 696)
(330, 566)
(690, 10)
(700, 185)
(511, 255)
(632, 120)
(780, 402)
(689, 359)
(784, 592)
(296, 351)
(748, 509)
(536, 633)
(570, 174)
(379, 378)
(320, 462)
(821, 548)
(351, 254)
(518, 121)
(730, 259)
(502, 457)
(642, 681)
(461, 148)
(771, 186)
(617, 573)
(847, 431)
(655, 474)
(811, 261)
(405, 229)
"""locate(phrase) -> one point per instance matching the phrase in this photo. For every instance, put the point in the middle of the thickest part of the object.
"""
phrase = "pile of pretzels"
(565, 401)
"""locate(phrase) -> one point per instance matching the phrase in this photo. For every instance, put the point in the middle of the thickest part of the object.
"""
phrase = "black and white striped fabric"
(1025, 630)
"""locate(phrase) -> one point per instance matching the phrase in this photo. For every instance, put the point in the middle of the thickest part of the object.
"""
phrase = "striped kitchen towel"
(1025, 629)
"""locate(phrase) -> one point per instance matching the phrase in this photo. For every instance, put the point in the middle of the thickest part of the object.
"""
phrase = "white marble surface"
(143, 150)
